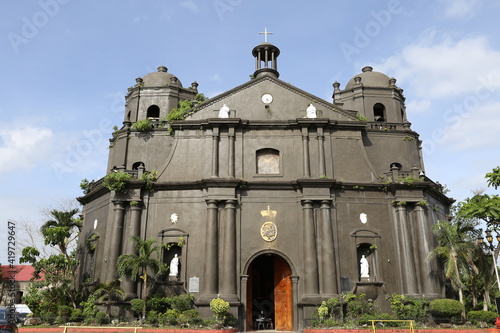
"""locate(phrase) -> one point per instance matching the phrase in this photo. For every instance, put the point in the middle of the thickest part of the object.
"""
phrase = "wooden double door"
(269, 294)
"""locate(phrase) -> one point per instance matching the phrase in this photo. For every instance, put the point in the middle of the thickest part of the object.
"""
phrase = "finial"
(265, 33)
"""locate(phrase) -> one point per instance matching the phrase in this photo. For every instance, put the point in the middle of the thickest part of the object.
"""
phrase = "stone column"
(426, 278)
(311, 285)
(215, 152)
(329, 274)
(116, 240)
(231, 157)
(211, 269)
(405, 241)
(305, 145)
(321, 151)
(228, 279)
(244, 302)
(134, 228)
(295, 301)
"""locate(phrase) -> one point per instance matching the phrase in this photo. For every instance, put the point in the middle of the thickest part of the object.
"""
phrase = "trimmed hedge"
(446, 308)
(489, 317)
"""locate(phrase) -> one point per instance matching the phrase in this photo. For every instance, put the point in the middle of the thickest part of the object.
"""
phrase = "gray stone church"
(280, 198)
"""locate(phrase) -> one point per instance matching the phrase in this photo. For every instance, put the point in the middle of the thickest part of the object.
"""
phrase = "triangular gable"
(288, 102)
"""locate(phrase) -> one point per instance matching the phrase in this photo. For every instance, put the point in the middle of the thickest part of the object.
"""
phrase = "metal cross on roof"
(265, 33)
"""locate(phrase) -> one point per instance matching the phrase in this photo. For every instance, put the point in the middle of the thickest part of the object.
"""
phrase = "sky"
(66, 66)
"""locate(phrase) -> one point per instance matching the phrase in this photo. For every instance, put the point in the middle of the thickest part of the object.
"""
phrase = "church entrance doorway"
(269, 294)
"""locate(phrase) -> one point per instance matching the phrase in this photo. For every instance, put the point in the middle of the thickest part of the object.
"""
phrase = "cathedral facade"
(268, 196)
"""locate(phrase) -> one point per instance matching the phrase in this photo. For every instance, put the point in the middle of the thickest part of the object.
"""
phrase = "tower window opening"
(153, 111)
(379, 112)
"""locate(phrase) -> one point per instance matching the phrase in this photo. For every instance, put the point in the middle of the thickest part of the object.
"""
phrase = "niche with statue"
(367, 272)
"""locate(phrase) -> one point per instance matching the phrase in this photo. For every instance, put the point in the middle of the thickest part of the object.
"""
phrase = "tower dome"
(161, 78)
(369, 78)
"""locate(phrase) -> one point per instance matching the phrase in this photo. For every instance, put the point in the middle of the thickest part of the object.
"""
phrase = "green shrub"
(89, 309)
(143, 125)
(48, 317)
(489, 317)
(158, 303)
(220, 308)
(192, 317)
(102, 318)
(152, 317)
(179, 112)
(76, 315)
(171, 317)
(181, 303)
(446, 308)
(409, 308)
(63, 313)
(136, 306)
(323, 311)
(116, 181)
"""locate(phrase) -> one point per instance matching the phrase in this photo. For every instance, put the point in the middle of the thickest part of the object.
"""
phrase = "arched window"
(379, 112)
(268, 161)
(136, 165)
(395, 165)
(153, 111)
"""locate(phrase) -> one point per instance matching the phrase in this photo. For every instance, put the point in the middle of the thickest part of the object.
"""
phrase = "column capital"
(119, 204)
(211, 202)
(326, 203)
(231, 204)
(306, 203)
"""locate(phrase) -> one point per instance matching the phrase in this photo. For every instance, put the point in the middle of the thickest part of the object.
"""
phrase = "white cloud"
(461, 9)
(437, 67)
(140, 18)
(190, 5)
(24, 147)
(474, 130)
(215, 77)
(418, 106)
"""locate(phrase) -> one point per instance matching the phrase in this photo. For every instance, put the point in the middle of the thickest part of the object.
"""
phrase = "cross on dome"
(265, 33)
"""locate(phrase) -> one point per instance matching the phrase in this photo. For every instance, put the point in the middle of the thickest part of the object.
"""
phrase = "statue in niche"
(311, 111)
(224, 112)
(174, 267)
(364, 268)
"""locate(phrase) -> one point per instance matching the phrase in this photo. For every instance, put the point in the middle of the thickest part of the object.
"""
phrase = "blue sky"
(66, 66)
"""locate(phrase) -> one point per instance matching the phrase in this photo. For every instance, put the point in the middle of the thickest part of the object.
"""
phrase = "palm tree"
(138, 264)
(455, 250)
(57, 232)
(108, 292)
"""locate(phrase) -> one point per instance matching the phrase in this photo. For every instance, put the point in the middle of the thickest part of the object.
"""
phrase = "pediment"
(288, 102)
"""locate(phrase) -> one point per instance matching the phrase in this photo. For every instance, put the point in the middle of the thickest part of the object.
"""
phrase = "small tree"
(137, 264)
(220, 308)
(109, 292)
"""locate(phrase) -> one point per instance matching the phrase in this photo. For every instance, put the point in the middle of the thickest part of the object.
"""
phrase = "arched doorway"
(269, 294)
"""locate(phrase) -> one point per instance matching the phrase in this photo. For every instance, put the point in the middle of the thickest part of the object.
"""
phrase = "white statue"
(174, 266)
(364, 268)
(224, 112)
(311, 111)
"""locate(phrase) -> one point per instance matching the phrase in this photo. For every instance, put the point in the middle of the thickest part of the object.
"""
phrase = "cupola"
(266, 55)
